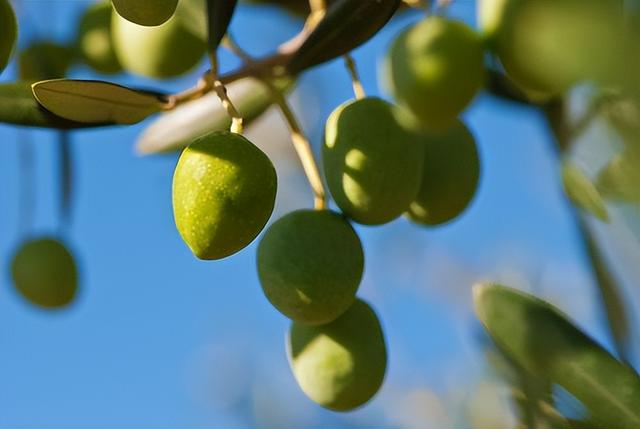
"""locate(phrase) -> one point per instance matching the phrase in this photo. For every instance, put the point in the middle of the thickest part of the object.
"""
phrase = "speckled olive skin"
(340, 365)
(45, 274)
(224, 191)
(146, 12)
(372, 165)
(310, 264)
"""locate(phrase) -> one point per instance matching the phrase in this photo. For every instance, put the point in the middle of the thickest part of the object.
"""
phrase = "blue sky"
(158, 339)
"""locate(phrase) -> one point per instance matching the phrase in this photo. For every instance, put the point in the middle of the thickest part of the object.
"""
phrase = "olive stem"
(358, 89)
(221, 91)
(302, 147)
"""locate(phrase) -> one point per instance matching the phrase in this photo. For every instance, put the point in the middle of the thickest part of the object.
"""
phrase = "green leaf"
(176, 129)
(541, 339)
(219, 14)
(18, 106)
(346, 25)
(8, 32)
(582, 192)
(620, 179)
(94, 102)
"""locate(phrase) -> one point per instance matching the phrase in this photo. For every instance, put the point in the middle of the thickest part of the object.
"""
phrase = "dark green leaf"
(219, 14)
(8, 32)
(582, 192)
(94, 102)
(176, 129)
(620, 180)
(18, 106)
(346, 25)
(541, 339)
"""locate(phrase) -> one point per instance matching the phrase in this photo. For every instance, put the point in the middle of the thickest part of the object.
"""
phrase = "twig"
(221, 91)
(358, 89)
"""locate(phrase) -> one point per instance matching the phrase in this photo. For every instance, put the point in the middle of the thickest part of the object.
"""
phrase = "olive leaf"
(346, 25)
(620, 179)
(539, 337)
(93, 102)
(18, 106)
(8, 32)
(219, 14)
(582, 192)
(176, 129)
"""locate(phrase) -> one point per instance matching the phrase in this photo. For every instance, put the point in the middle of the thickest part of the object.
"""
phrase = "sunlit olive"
(434, 69)
(44, 60)
(310, 263)
(340, 365)
(168, 50)
(45, 273)
(94, 39)
(450, 176)
(146, 12)
(550, 45)
(372, 165)
(224, 190)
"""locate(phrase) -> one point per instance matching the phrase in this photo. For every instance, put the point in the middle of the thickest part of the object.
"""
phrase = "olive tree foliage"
(381, 160)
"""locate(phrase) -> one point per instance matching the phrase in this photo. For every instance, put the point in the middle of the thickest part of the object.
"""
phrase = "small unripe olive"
(224, 190)
(310, 264)
(44, 273)
(146, 12)
(340, 365)
(168, 50)
(372, 165)
(548, 46)
(434, 69)
(450, 176)
(44, 60)
(94, 39)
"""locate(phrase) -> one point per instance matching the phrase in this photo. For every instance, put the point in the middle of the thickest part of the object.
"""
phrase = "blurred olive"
(146, 12)
(44, 60)
(95, 41)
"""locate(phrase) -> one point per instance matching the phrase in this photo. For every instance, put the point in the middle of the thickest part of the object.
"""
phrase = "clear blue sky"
(161, 340)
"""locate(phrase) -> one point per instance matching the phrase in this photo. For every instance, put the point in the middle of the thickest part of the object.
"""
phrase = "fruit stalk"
(358, 89)
(221, 91)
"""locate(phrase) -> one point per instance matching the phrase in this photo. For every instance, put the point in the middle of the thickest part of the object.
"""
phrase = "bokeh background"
(158, 339)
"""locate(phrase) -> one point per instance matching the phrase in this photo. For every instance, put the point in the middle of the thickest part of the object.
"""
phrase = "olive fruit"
(550, 45)
(159, 52)
(310, 264)
(435, 69)
(8, 32)
(44, 60)
(340, 365)
(372, 165)
(224, 190)
(94, 39)
(45, 273)
(146, 12)
(450, 177)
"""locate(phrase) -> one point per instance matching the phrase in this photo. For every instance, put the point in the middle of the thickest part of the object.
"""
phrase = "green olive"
(146, 12)
(372, 165)
(434, 69)
(340, 365)
(310, 264)
(8, 32)
(44, 60)
(450, 176)
(224, 190)
(95, 41)
(166, 51)
(45, 273)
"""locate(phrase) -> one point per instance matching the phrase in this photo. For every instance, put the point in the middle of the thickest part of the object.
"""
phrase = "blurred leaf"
(96, 102)
(540, 339)
(8, 32)
(346, 25)
(176, 129)
(18, 106)
(620, 179)
(219, 14)
(44, 60)
(582, 192)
